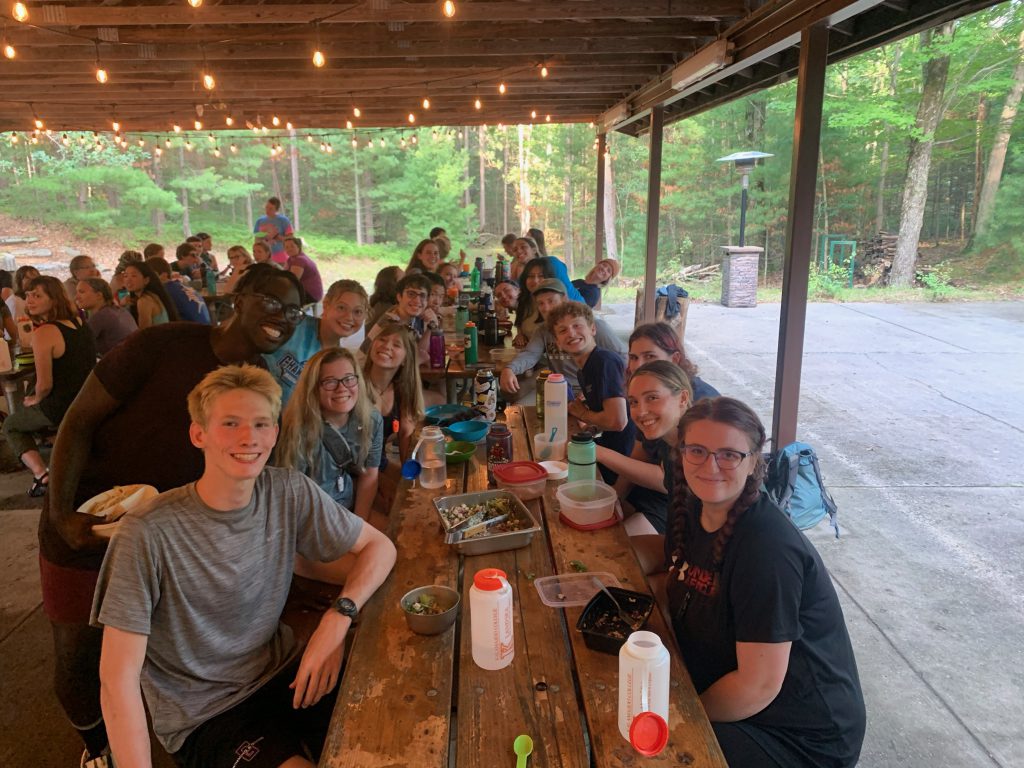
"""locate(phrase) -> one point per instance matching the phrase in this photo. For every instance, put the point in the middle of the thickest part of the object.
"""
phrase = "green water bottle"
(582, 454)
(474, 277)
(471, 351)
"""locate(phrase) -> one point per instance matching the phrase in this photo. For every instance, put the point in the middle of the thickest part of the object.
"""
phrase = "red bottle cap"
(489, 579)
(648, 733)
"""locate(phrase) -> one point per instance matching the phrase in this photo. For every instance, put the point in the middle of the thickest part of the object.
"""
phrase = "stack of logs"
(878, 251)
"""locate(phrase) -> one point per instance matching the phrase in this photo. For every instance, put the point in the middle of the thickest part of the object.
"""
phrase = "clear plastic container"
(587, 504)
(571, 590)
(526, 479)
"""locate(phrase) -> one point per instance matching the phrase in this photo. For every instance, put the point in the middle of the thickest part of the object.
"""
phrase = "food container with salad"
(486, 521)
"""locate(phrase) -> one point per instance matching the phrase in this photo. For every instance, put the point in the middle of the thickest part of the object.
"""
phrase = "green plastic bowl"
(459, 451)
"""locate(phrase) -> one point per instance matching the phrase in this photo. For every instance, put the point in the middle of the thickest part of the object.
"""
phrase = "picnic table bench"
(411, 700)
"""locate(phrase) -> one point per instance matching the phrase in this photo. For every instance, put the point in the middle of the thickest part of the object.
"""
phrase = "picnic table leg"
(11, 395)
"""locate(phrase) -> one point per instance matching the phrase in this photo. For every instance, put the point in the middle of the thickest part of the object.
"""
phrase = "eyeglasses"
(409, 294)
(725, 458)
(351, 381)
(292, 312)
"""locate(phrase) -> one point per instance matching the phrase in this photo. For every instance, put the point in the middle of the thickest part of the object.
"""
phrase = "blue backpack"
(793, 480)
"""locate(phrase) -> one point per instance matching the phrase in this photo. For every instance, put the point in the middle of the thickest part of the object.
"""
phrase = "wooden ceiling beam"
(180, 14)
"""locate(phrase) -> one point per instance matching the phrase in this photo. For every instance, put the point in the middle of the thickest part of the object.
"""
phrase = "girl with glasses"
(753, 607)
(331, 431)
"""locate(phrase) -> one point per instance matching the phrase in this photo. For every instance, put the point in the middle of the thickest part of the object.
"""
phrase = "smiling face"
(345, 315)
(430, 255)
(603, 272)
(507, 295)
(450, 274)
(387, 352)
(709, 482)
(38, 302)
(522, 251)
(292, 248)
(134, 280)
(239, 435)
(547, 301)
(411, 302)
(643, 350)
(533, 278)
(574, 335)
(655, 408)
(342, 399)
(87, 298)
(436, 300)
(266, 329)
(260, 251)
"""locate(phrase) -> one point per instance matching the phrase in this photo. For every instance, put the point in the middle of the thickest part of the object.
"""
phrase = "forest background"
(920, 140)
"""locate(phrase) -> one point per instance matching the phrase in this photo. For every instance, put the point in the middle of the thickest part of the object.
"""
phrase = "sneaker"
(106, 760)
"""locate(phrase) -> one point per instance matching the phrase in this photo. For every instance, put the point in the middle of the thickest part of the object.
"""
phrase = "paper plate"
(111, 505)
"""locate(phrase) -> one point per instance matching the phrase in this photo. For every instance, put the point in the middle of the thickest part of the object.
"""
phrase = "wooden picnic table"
(410, 700)
(456, 369)
(13, 383)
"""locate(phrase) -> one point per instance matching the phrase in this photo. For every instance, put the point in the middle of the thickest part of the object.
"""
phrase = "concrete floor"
(917, 413)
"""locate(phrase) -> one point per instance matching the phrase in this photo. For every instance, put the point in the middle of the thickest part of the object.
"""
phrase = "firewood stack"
(879, 251)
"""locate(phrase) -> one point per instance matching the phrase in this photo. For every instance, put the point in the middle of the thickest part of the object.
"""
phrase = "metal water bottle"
(472, 342)
(486, 389)
(499, 448)
(436, 348)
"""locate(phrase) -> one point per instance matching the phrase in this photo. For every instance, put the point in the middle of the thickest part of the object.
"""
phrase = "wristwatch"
(346, 607)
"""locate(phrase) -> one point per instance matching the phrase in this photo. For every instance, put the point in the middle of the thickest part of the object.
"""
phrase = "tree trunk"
(567, 239)
(367, 210)
(359, 202)
(979, 164)
(249, 221)
(275, 178)
(883, 169)
(997, 157)
(504, 183)
(466, 174)
(611, 241)
(524, 184)
(158, 214)
(481, 140)
(915, 190)
(296, 201)
(186, 225)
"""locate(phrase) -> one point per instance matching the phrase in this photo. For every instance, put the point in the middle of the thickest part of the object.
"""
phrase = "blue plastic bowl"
(471, 431)
(444, 415)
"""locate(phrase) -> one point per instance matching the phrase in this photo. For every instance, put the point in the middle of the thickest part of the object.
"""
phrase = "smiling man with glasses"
(411, 310)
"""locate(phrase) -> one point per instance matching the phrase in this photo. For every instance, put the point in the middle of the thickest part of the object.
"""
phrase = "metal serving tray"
(484, 543)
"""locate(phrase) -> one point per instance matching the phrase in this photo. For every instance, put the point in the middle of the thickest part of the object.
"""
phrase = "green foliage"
(827, 282)
(937, 280)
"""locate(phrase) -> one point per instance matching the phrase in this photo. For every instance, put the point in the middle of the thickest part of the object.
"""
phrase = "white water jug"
(556, 401)
(643, 688)
(490, 618)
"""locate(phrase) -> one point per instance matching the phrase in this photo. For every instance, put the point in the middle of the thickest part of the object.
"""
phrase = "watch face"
(345, 607)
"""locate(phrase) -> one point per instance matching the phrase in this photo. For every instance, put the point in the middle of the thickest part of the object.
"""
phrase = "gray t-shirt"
(208, 588)
(542, 344)
(339, 480)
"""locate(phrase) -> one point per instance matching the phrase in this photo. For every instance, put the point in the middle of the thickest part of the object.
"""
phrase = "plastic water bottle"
(582, 453)
(434, 473)
(474, 277)
(472, 342)
(643, 692)
(556, 401)
(436, 348)
(490, 618)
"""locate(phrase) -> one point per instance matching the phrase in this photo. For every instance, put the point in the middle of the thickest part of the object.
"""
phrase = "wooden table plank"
(691, 739)
(394, 702)
(536, 694)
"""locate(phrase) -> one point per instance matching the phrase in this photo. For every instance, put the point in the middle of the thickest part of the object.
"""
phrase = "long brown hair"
(686, 506)
(408, 385)
(62, 308)
(664, 336)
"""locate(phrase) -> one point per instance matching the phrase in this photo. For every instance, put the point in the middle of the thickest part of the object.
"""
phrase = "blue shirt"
(601, 377)
(279, 222)
(339, 482)
(287, 362)
(189, 304)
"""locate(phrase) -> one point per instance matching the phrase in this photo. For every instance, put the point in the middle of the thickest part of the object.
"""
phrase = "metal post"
(602, 145)
(653, 211)
(799, 228)
(743, 209)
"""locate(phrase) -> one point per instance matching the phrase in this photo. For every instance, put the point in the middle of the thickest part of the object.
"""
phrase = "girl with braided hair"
(752, 605)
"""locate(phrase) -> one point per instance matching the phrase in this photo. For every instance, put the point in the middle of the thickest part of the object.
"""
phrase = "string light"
(234, 149)
(426, 102)
(188, 145)
(448, 8)
(216, 151)
(501, 88)
(478, 104)
(198, 124)
(142, 142)
(101, 73)
(14, 138)
(288, 125)
(348, 124)
(401, 143)
(547, 118)
(38, 124)
(210, 137)
(318, 57)
(158, 151)
(19, 12)
(415, 140)
(276, 121)
(9, 51)
(81, 139)
(355, 142)
(167, 143)
(177, 128)
(65, 140)
(543, 71)
(357, 111)
(323, 147)
(209, 83)
(412, 118)
(115, 125)
(309, 138)
(330, 149)
(382, 142)
(533, 114)
(195, 3)
(229, 121)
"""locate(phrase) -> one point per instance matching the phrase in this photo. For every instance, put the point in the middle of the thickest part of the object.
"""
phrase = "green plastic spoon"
(522, 746)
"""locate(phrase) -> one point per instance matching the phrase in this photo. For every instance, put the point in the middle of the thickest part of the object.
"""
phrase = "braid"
(680, 513)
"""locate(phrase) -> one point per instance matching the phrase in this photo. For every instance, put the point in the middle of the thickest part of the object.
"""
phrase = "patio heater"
(744, 161)
(740, 262)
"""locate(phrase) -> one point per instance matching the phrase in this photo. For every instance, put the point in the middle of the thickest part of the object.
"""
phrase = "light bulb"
(167, 143)
(208, 82)
(158, 151)
(188, 145)
(142, 142)
(414, 140)
(330, 149)
(81, 139)
(401, 143)
(65, 140)
(116, 126)
(14, 138)
(210, 137)
(273, 152)
(426, 103)
(547, 118)
(35, 139)
(234, 149)
(195, 3)
(264, 129)
(355, 141)
(309, 138)
(323, 147)
(357, 111)
(448, 8)
(348, 124)
(229, 121)
(382, 141)
(543, 71)
(19, 12)
(288, 125)
(216, 151)
(478, 104)
(177, 128)
(38, 123)
(101, 75)
(319, 59)
(533, 114)
(275, 120)
(198, 124)
(412, 118)
(501, 88)
(9, 51)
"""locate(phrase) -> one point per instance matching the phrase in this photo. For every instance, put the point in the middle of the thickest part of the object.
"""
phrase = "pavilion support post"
(799, 229)
(602, 147)
(653, 211)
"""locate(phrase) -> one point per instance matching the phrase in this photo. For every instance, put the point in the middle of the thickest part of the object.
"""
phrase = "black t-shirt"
(145, 439)
(773, 588)
(591, 293)
(603, 376)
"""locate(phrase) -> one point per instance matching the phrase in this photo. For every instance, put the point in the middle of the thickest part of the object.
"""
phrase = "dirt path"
(61, 243)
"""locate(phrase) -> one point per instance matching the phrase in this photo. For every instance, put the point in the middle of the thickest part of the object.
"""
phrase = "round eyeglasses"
(725, 458)
(292, 312)
(331, 383)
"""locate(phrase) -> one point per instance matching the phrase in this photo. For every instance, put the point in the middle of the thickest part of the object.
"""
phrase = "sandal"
(39, 485)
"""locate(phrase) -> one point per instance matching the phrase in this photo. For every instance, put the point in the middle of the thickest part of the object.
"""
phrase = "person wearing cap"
(597, 278)
(549, 294)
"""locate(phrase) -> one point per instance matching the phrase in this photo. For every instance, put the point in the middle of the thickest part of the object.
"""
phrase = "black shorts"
(261, 732)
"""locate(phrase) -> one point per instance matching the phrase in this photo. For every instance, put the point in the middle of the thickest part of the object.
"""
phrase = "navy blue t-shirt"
(601, 377)
(189, 304)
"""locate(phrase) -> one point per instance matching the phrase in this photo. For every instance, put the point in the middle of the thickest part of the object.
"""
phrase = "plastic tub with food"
(526, 479)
